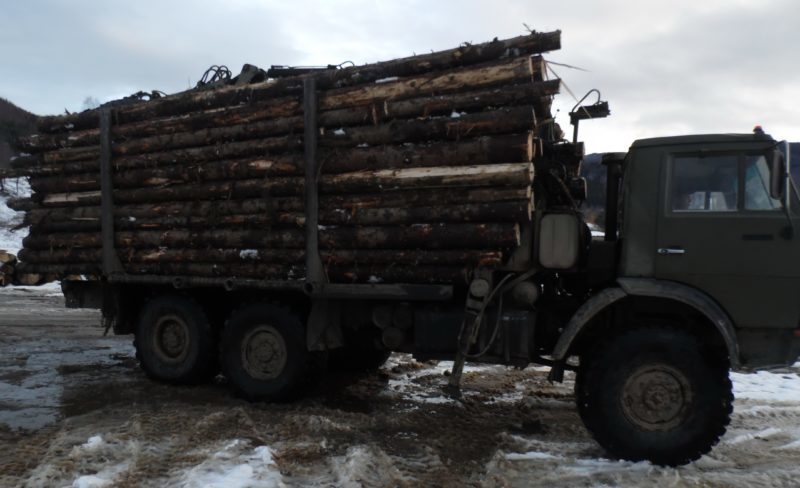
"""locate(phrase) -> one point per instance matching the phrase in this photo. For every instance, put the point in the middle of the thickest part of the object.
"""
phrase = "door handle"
(671, 250)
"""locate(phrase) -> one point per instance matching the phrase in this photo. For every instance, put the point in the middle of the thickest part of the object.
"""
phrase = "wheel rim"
(656, 397)
(264, 352)
(171, 338)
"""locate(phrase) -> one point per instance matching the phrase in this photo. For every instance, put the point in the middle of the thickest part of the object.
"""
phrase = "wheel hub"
(656, 397)
(171, 338)
(264, 353)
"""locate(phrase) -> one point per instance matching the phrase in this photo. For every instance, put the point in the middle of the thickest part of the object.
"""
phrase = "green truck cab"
(704, 278)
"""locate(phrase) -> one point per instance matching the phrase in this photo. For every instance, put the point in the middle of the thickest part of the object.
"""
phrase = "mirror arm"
(789, 187)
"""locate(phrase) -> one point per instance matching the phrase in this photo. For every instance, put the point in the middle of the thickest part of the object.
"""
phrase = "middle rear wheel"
(264, 354)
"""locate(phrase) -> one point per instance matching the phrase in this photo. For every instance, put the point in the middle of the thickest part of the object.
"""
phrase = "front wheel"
(264, 354)
(655, 393)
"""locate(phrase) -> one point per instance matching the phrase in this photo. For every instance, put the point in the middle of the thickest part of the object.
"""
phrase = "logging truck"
(269, 227)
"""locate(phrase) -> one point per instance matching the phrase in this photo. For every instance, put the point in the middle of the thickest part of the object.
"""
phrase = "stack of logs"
(7, 266)
(425, 172)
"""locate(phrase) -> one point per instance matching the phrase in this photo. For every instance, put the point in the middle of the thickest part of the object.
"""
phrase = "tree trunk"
(378, 273)
(347, 203)
(504, 175)
(249, 122)
(513, 211)
(489, 149)
(506, 120)
(285, 256)
(207, 99)
(422, 236)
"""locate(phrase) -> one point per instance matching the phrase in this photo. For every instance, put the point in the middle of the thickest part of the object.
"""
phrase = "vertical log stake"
(111, 262)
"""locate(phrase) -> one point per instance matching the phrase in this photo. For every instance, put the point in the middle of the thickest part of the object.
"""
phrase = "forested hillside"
(14, 121)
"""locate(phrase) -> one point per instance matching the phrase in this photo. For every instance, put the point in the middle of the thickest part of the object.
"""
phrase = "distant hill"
(14, 122)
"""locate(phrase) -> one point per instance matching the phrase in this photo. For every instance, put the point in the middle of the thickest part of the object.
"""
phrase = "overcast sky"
(666, 67)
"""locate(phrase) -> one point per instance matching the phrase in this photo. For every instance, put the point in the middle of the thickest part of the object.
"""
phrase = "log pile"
(7, 267)
(425, 172)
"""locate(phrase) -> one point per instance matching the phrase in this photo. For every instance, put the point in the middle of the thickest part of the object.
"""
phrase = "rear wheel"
(174, 341)
(655, 393)
(264, 354)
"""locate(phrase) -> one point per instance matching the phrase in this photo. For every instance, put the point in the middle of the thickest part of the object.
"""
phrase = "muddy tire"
(175, 342)
(655, 393)
(264, 354)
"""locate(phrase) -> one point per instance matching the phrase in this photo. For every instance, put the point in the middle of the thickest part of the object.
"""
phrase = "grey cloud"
(679, 66)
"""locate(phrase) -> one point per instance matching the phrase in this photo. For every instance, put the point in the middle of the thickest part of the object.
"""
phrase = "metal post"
(111, 262)
(314, 271)
(321, 325)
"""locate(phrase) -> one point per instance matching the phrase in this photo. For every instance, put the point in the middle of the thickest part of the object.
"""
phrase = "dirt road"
(75, 410)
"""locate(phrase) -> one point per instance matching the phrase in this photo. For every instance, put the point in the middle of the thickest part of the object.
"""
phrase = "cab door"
(720, 231)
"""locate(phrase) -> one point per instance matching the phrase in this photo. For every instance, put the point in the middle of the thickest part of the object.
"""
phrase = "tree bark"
(347, 203)
(507, 120)
(207, 99)
(337, 274)
(489, 149)
(514, 175)
(421, 236)
(285, 256)
(249, 122)
(513, 211)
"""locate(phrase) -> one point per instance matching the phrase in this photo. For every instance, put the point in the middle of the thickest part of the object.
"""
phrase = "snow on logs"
(426, 170)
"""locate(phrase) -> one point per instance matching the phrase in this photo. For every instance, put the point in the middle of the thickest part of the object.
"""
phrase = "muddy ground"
(75, 410)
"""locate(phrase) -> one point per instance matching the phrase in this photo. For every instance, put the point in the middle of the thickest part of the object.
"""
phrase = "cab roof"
(702, 139)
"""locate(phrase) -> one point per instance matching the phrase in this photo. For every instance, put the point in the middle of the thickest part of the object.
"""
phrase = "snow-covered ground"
(76, 411)
(11, 240)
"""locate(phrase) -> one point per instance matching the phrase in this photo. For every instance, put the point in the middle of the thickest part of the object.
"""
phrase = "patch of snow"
(366, 466)
(363, 144)
(234, 466)
(90, 481)
(388, 79)
(764, 385)
(248, 254)
(518, 456)
(339, 132)
(93, 443)
(374, 279)
(792, 445)
(762, 434)
(11, 240)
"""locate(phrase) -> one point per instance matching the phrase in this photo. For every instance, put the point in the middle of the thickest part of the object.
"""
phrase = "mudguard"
(650, 288)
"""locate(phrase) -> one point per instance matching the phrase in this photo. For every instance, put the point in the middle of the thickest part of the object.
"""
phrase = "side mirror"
(777, 174)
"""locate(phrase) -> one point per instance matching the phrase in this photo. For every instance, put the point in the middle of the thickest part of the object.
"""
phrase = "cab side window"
(756, 185)
(705, 183)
